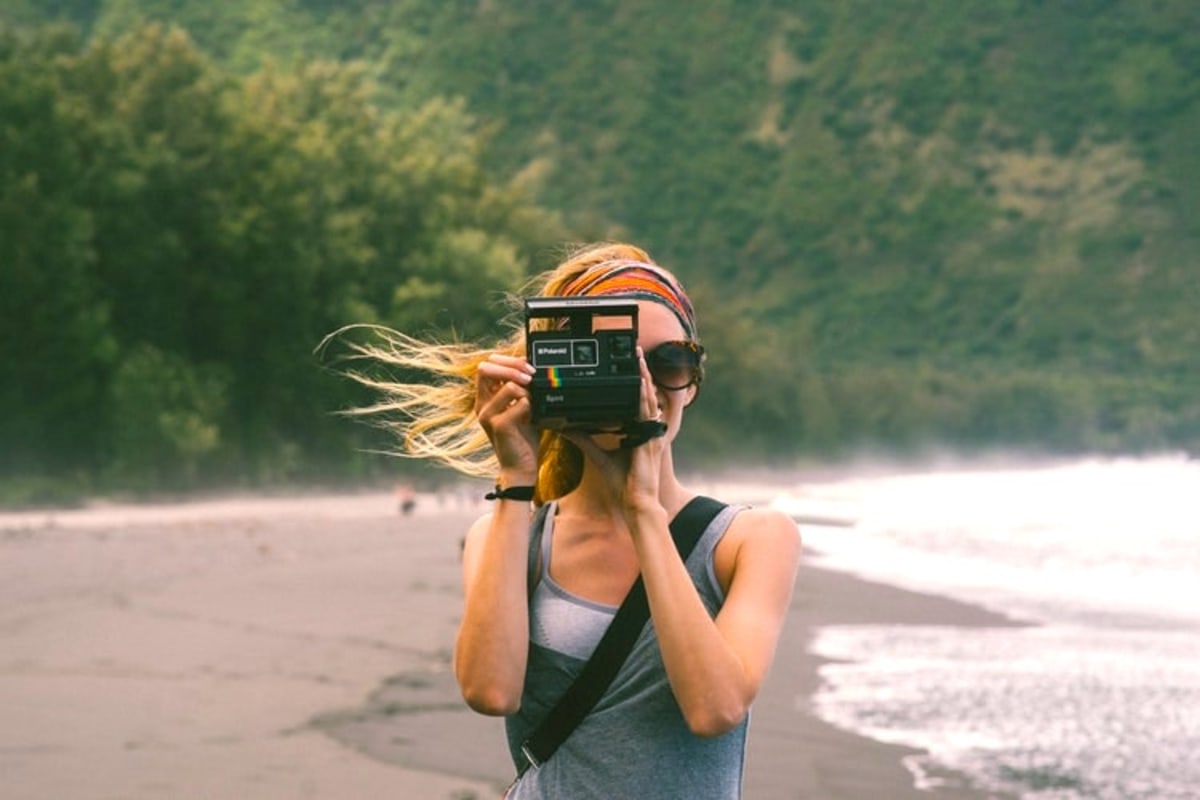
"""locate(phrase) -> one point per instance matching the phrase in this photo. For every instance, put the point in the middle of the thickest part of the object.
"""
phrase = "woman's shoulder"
(479, 525)
(766, 528)
(762, 519)
(478, 528)
(757, 539)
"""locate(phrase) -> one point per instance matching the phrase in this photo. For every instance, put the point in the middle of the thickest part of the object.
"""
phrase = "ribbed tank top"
(560, 620)
(635, 742)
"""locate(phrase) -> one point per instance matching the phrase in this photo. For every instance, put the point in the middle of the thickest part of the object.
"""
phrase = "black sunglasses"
(676, 365)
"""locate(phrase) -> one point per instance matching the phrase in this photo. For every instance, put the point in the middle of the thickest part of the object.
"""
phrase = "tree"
(56, 342)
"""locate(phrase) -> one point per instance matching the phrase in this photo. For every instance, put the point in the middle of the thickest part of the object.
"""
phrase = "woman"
(673, 724)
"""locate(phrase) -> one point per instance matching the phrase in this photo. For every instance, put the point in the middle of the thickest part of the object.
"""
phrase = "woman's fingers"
(496, 374)
(510, 401)
(500, 361)
(503, 409)
(649, 404)
(493, 373)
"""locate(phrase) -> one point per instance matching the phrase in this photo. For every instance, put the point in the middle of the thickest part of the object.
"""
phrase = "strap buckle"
(533, 760)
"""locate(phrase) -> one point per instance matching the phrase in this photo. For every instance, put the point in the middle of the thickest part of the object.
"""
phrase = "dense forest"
(906, 225)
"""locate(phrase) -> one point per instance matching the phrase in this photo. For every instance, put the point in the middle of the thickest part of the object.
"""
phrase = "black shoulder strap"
(686, 529)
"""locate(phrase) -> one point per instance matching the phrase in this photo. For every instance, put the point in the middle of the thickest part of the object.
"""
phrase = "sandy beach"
(300, 648)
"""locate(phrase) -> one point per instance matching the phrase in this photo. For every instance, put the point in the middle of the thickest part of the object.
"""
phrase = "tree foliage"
(178, 238)
(965, 223)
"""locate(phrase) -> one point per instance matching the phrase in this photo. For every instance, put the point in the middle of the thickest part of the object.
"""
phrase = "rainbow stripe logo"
(554, 377)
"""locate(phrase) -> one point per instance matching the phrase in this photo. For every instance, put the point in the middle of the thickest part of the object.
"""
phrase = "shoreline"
(783, 476)
(287, 647)
(827, 761)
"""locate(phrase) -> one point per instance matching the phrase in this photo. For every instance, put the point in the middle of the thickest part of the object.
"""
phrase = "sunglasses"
(676, 365)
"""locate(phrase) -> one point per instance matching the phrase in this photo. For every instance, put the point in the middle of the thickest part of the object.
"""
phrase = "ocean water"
(1099, 698)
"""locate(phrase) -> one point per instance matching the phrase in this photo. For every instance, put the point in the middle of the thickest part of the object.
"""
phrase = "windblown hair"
(434, 417)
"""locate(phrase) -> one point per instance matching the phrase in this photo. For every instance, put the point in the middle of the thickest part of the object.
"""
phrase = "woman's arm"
(716, 667)
(493, 636)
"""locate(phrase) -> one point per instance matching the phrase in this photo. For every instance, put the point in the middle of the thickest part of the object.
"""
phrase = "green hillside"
(984, 212)
(970, 224)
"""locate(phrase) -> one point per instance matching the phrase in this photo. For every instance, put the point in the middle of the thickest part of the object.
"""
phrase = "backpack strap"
(614, 647)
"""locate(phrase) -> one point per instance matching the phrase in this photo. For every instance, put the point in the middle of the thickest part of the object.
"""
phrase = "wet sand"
(300, 648)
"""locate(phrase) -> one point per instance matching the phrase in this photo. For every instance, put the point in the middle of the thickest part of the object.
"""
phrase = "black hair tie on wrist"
(643, 430)
(511, 493)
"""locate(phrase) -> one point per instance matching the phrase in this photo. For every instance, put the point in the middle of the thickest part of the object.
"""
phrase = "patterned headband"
(639, 280)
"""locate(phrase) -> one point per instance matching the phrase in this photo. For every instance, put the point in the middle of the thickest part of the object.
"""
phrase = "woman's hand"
(503, 408)
(632, 473)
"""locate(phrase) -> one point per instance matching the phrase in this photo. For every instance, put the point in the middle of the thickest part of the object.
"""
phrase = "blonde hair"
(435, 419)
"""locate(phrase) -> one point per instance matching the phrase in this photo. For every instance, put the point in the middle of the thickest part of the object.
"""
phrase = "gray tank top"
(635, 742)
(559, 620)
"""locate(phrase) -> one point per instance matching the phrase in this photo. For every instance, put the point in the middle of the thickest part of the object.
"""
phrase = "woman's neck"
(593, 497)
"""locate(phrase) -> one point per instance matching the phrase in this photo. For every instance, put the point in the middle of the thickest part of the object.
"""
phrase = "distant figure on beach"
(406, 498)
(578, 518)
